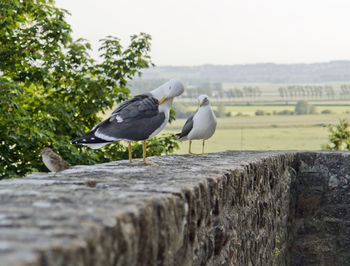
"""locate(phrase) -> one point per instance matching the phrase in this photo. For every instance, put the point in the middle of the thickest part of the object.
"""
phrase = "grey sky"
(193, 32)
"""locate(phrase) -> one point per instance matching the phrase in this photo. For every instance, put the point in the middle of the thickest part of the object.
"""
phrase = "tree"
(329, 91)
(303, 107)
(339, 136)
(221, 110)
(282, 92)
(52, 90)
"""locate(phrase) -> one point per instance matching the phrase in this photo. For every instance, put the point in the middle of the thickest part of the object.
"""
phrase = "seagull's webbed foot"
(148, 163)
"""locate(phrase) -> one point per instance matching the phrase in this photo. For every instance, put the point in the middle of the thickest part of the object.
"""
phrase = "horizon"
(324, 72)
(258, 63)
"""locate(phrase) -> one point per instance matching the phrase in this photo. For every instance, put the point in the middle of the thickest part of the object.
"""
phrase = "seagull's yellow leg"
(144, 154)
(130, 154)
(203, 148)
(189, 148)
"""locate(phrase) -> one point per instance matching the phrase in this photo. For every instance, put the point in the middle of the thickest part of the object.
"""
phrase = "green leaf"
(52, 90)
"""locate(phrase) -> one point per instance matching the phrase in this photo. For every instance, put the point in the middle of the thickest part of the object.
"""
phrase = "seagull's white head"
(168, 91)
(203, 100)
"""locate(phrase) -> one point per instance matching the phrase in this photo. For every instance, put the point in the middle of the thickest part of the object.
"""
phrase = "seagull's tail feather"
(179, 136)
(91, 140)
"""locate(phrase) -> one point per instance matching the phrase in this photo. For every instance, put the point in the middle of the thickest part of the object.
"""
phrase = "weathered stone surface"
(320, 210)
(232, 208)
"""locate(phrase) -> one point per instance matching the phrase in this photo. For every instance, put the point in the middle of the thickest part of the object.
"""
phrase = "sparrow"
(53, 161)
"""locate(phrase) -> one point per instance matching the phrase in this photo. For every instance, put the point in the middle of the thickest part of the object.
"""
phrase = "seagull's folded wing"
(134, 119)
(187, 128)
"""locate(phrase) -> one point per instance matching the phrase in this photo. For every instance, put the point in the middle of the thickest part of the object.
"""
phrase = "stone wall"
(320, 210)
(232, 208)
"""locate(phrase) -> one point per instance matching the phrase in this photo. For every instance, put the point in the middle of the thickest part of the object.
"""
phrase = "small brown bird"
(53, 161)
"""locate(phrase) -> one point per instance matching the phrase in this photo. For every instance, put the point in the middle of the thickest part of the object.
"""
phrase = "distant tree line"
(307, 91)
(245, 92)
(183, 111)
(345, 90)
(207, 88)
(215, 90)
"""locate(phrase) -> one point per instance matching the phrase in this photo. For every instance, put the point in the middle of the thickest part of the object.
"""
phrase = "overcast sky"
(195, 32)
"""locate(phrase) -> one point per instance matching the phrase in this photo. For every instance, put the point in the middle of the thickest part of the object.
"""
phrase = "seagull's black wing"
(134, 119)
(187, 128)
(140, 106)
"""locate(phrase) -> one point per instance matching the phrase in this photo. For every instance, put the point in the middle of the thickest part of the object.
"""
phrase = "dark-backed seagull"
(201, 125)
(139, 118)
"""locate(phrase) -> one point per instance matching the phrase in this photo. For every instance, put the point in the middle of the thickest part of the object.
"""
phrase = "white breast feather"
(165, 108)
(161, 126)
(204, 124)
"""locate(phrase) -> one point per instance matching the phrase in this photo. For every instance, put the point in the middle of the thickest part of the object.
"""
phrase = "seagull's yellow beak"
(162, 100)
(201, 104)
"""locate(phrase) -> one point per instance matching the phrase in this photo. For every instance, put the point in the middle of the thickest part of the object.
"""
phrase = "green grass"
(303, 132)
(306, 138)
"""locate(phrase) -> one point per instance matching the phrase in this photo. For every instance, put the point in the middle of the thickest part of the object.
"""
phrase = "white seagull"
(139, 118)
(201, 125)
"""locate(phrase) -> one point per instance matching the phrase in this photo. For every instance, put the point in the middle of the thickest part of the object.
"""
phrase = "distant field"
(250, 110)
(307, 138)
(335, 107)
(273, 132)
(303, 132)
